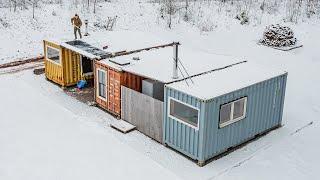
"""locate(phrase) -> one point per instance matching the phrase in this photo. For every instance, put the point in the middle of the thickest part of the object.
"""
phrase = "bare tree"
(14, 2)
(186, 17)
(94, 6)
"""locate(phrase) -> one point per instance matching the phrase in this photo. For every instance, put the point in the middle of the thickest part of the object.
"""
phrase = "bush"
(243, 18)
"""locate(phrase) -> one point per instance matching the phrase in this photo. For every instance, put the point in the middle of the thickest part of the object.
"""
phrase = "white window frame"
(182, 121)
(97, 84)
(231, 121)
(60, 55)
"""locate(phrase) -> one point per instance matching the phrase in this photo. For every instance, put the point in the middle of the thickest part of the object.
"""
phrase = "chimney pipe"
(175, 60)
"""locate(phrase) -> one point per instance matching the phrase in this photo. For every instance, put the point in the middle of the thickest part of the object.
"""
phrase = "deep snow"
(45, 134)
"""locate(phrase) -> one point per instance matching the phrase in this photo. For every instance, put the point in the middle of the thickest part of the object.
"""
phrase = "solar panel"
(89, 48)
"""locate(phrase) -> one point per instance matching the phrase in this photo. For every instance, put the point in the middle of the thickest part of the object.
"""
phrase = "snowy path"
(42, 140)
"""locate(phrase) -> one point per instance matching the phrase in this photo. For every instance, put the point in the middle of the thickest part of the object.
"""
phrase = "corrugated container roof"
(220, 82)
(157, 64)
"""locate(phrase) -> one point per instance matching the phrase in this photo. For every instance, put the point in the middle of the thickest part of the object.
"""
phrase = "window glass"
(184, 112)
(232, 112)
(225, 113)
(238, 110)
(102, 83)
(53, 54)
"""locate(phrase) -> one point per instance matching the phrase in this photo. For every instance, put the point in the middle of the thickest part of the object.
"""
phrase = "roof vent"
(136, 58)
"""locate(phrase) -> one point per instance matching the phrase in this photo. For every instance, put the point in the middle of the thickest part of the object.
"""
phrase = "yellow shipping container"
(64, 66)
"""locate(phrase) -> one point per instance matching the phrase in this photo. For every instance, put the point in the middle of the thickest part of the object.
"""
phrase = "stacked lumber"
(278, 36)
(21, 62)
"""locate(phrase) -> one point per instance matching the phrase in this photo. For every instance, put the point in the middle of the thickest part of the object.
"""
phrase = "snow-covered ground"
(45, 134)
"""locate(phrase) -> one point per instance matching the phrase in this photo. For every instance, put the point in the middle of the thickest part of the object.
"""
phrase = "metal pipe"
(175, 62)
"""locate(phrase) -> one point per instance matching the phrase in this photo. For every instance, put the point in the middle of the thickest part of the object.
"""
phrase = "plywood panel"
(145, 112)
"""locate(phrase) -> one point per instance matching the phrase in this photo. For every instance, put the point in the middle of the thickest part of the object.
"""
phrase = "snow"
(157, 64)
(226, 80)
(45, 134)
(41, 139)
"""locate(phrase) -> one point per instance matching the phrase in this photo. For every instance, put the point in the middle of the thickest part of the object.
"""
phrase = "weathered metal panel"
(145, 112)
(113, 94)
(264, 111)
(114, 82)
(71, 67)
(132, 81)
(178, 135)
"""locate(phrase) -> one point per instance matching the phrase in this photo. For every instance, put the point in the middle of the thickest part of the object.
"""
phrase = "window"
(101, 84)
(183, 113)
(53, 54)
(232, 112)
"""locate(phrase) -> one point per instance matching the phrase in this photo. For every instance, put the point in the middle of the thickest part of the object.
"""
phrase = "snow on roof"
(157, 64)
(124, 40)
(82, 47)
(80, 51)
(114, 41)
(226, 80)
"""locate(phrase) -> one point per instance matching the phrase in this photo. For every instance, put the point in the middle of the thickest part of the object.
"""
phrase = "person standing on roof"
(77, 23)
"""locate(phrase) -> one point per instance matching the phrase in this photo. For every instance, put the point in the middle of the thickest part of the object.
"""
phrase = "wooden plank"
(122, 126)
(22, 62)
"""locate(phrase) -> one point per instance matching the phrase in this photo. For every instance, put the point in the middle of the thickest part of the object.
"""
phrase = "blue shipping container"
(205, 136)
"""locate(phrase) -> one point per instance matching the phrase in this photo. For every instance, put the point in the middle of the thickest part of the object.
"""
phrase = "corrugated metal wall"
(53, 71)
(114, 91)
(71, 67)
(115, 80)
(264, 111)
(178, 135)
(68, 72)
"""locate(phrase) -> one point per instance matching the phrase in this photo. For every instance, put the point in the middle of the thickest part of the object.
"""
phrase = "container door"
(114, 92)
(111, 90)
(117, 92)
(75, 67)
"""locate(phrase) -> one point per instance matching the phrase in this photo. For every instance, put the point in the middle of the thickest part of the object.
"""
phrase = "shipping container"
(68, 62)
(108, 82)
(222, 109)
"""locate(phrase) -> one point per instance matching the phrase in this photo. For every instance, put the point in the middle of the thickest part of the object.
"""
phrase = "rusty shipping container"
(108, 87)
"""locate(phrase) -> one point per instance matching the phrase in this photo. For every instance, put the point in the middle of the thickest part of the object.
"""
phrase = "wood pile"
(278, 36)
(21, 62)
